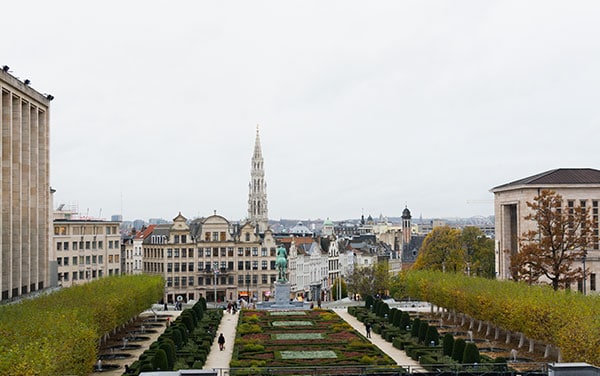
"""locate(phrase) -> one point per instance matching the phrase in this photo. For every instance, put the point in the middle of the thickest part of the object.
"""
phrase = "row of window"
(86, 260)
(84, 230)
(211, 252)
(210, 281)
(85, 274)
(88, 244)
(223, 265)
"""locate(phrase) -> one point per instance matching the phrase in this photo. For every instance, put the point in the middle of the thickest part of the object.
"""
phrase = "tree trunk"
(531, 345)
(521, 340)
(507, 337)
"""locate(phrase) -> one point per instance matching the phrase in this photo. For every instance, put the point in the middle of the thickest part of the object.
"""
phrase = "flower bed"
(303, 338)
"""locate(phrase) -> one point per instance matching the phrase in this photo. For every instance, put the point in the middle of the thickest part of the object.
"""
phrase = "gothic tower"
(257, 197)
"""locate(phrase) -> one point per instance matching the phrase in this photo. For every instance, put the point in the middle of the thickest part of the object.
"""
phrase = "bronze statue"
(281, 264)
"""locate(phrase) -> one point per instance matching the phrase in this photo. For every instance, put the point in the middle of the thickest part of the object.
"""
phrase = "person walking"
(368, 329)
(221, 342)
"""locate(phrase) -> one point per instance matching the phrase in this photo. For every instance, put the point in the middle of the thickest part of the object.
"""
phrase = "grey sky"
(364, 107)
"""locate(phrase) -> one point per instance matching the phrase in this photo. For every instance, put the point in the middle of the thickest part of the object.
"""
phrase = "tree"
(338, 284)
(370, 280)
(441, 250)
(479, 252)
(562, 235)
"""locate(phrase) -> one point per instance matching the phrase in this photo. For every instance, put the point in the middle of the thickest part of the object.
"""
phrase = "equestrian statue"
(281, 264)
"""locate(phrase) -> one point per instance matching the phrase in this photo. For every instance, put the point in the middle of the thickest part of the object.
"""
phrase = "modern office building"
(577, 186)
(25, 265)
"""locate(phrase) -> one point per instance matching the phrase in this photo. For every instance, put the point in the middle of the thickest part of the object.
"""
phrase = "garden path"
(398, 355)
(216, 359)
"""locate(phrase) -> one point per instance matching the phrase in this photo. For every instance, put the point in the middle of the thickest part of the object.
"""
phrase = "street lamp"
(583, 262)
(215, 286)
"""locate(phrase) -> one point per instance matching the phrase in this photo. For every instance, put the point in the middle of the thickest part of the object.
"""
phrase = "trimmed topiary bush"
(160, 362)
(404, 320)
(471, 354)
(416, 324)
(448, 344)
(458, 350)
(432, 335)
(423, 326)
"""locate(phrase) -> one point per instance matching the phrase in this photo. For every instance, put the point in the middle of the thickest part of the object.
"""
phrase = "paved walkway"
(219, 360)
(398, 355)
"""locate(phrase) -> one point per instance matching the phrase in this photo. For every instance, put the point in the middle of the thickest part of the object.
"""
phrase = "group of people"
(232, 307)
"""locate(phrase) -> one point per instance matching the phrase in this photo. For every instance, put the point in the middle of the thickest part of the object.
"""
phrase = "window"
(254, 265)
(191, 252)
(94, 259)
(215, 252)
(223, 252)
(254, 251)
(169, 252)
(207, 266)
(100, 244)
(183, 252)
(66, 246)
(66, 261)
(200, 252)
(94, 244)
(240, 265)
(263, 252)
(169, 267)
(207, 236)
(74, 244)
(175, 238)
(191, 281)
(230, 265)
(176, 269)
(59, 246)
(60, 230)
(593, 282)
(100, 259)
(215, 236)
(207, 251)
(110, 258)
(59, 261)
(184, 238)
(88, 244)
(247, 237)
(74, 260)
(240, 280)
(110, 244)
(190, 267)
(272, 264)
(200, 266)
(222, 236)
(240, 251)
(183, 281)
(264, 265)
(176, 252)
(223, 265)
(230, 251)
(263, 278)
(247, 251)
(247, 265)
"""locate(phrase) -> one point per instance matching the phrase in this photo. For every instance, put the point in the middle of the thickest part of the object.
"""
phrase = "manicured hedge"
(565, 319)
(58, 333)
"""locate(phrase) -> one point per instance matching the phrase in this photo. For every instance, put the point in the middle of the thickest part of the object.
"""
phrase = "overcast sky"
(363, 106)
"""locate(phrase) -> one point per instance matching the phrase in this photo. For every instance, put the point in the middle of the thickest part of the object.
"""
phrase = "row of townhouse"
(223, 261)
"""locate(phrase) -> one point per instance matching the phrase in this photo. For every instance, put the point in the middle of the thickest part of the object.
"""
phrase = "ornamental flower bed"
(301, 339)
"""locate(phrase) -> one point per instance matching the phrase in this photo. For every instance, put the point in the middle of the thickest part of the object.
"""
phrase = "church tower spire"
(257, 197)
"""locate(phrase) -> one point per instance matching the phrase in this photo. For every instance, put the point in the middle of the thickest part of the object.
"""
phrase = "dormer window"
(247, 236)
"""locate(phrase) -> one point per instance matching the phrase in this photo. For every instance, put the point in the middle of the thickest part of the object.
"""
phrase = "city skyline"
(362, 108)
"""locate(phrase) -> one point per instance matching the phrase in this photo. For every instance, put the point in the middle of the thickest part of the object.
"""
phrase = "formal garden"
(312, 341)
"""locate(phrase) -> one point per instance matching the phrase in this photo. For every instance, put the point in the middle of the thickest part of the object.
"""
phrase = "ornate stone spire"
(257, 197)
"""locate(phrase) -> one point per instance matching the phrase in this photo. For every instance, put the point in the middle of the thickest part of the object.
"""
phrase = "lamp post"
(216, 274)
(583, 262)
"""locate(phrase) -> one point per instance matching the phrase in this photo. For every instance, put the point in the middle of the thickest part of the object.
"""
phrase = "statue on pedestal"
(281, 264)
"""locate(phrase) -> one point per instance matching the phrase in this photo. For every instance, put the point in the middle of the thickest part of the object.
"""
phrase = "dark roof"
(558, 176)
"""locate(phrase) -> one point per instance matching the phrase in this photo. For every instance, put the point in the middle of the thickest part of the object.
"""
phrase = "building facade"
(578, 187)
(26, 264)
(86, 249)
(212, 258)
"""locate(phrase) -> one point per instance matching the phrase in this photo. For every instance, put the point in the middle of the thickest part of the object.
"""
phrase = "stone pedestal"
(282, 293)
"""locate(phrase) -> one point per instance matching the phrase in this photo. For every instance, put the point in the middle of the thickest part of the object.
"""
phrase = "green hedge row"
(58, 333)
(565, 319)
(185, 344)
